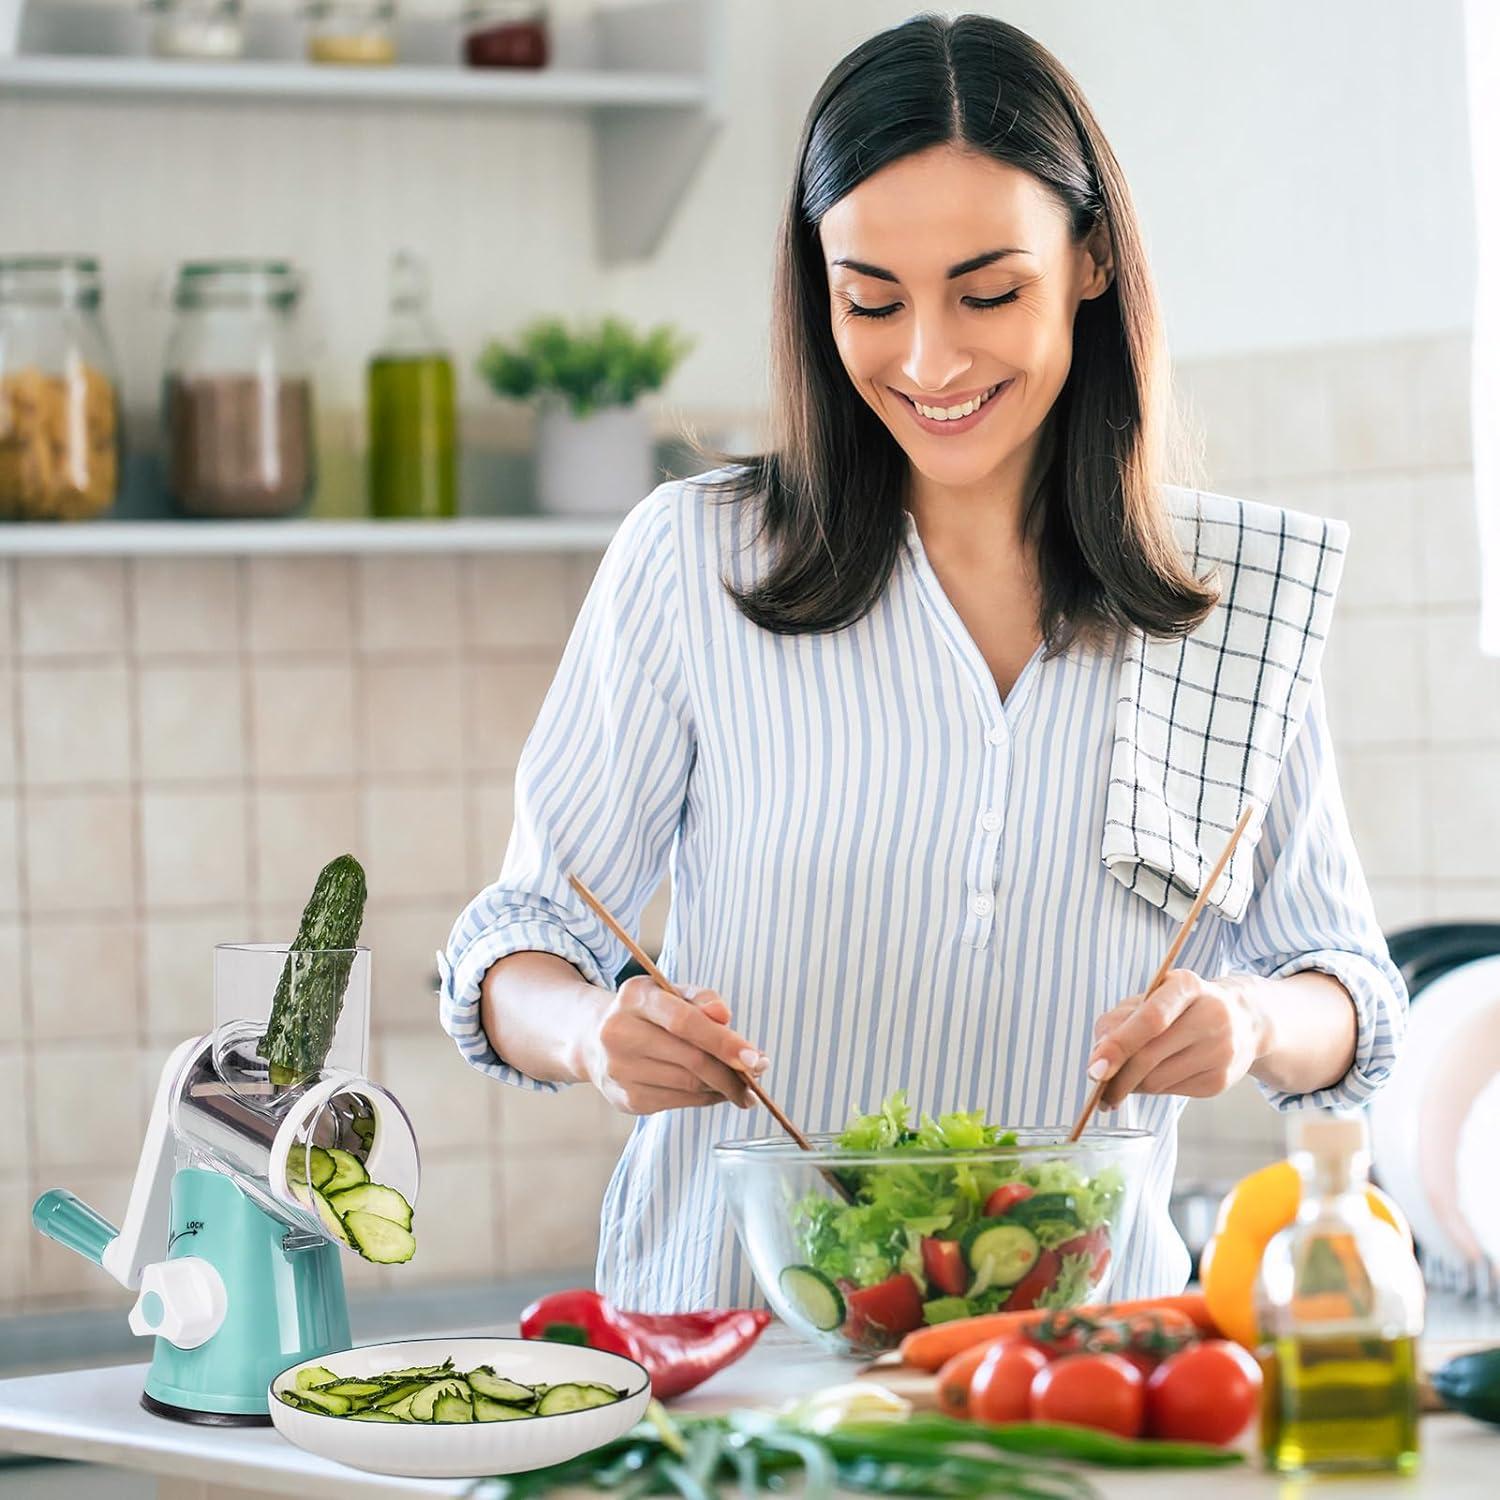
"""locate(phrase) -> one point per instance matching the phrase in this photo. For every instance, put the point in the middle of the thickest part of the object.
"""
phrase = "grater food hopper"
(248, 1279)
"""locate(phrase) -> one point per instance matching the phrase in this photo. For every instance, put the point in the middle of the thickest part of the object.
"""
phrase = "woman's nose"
(934, 363)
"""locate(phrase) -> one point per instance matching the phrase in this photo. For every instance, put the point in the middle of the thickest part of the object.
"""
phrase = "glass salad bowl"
(856, 1247)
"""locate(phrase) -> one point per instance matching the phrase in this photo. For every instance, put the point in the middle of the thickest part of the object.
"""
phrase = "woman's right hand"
(653, 1051)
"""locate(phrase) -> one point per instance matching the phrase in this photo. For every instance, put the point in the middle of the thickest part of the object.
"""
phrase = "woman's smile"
(952, 426)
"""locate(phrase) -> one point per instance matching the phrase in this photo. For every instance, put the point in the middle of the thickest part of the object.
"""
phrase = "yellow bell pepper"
(1255, 1209)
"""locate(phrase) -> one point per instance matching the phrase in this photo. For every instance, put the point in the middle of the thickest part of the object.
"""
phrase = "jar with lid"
(237, 401)
(362, 32)
(505, 33)
(196, 28)
(59, 400)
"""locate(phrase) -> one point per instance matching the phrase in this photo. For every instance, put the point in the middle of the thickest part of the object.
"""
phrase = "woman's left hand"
(1189, 1036)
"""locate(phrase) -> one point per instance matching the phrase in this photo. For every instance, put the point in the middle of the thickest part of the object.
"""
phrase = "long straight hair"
(831, 490)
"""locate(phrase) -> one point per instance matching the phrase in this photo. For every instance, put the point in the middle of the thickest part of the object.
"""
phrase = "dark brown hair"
(831, 491)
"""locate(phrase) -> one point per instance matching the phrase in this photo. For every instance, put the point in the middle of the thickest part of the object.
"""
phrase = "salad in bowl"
(895, 1223)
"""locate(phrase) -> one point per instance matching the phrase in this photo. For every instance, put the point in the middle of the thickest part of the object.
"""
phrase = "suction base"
(203, 1418)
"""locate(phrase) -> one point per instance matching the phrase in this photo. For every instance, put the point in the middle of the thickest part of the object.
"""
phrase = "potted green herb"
(594, 452)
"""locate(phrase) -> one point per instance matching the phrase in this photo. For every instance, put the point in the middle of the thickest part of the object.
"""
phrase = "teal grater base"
(285, 1295)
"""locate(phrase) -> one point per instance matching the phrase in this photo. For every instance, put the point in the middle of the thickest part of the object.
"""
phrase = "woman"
(937, 713)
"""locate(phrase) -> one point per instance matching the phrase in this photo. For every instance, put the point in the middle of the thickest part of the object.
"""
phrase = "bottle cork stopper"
(1329, 1136)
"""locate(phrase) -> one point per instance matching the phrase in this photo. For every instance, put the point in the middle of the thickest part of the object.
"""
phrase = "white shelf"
(152, 77)
(648, 77)
(240, 538)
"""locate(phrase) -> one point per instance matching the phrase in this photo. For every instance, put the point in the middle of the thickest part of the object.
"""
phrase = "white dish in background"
(467, 1450)
(1452, 1049)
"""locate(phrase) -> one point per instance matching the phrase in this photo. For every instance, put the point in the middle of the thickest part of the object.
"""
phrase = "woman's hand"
(1189, 1036)
(652, 1051)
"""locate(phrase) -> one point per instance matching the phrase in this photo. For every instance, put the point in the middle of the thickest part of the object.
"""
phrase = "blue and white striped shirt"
(892, 876)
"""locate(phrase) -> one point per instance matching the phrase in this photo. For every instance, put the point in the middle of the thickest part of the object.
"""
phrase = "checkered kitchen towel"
(1203, 722)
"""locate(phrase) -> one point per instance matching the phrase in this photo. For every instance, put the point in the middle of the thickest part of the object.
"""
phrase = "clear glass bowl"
(854, 1277)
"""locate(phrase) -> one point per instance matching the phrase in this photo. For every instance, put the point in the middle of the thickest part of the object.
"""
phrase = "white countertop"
(95, 1416)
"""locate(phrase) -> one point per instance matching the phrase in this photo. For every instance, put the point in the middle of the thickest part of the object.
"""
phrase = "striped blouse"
(892, 875)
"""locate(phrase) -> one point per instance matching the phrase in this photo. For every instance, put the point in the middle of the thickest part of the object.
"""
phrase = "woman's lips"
(963, 424)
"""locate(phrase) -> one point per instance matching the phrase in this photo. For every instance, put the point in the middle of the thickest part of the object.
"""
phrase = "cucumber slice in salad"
(813, 1296)
(1000, 1252)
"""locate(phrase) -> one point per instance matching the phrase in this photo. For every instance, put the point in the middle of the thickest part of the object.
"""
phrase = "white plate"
(464, 1450)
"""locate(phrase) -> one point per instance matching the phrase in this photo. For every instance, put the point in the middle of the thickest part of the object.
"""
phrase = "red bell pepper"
(1035, 1282)
(885, 1311)
(678, 1350)
(1094, 1244)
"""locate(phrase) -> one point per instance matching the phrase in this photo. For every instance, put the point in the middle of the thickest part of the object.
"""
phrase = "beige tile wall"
(1377, 435)
(187, 741)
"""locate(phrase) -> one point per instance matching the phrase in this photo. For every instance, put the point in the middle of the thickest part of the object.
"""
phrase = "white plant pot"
(598, 465)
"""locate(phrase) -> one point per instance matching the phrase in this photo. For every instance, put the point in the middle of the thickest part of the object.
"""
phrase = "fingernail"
(756, 1062)
(1098, 1068)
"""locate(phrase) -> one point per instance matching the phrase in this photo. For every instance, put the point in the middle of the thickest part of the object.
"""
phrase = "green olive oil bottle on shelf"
(1340, 1304)
(413, 445)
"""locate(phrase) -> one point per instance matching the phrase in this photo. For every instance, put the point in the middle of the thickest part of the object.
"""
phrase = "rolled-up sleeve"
(599, 788)
(1312, 911)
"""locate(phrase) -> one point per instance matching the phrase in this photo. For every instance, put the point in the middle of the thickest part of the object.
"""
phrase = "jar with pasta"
(59, 401)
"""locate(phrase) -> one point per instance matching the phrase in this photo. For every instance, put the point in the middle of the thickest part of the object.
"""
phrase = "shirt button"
(996, 736)
(990, 822)
(981, 906)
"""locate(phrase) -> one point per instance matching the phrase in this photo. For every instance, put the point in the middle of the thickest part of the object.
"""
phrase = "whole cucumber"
(310, 992)
(1471, 1384)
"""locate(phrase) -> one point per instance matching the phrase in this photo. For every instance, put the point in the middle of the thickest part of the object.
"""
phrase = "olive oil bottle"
(1340, 1305)
(413, 446)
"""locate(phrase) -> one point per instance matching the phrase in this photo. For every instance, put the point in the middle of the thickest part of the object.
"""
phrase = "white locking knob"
(182, 1301)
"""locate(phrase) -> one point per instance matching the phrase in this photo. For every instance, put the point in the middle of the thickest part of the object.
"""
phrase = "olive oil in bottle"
(1340, 1303)
(413, 457)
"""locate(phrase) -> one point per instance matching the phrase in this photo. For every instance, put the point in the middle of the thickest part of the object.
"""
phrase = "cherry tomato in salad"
(1001, 1388)
(1034, 1283)
(1005, 1197)
(1095, 1245)
(954, 1379)
(1091, 1390)
(879, 1315)
(943, 1261)
(1206, 1394)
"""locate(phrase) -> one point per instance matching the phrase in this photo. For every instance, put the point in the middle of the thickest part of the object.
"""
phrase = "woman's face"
(969, 265)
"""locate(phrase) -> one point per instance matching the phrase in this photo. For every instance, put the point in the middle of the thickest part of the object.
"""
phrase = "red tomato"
(943, 1261)
(954, 1378)
(1001, 1388)
(887, 1310)
(1091, 1390)
(1094, 1244)
(1034, 1283)
(1205, 1394)
(1005, 1197)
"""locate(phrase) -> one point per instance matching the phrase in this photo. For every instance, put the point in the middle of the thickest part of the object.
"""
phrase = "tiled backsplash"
(189, 740)
(186, 743)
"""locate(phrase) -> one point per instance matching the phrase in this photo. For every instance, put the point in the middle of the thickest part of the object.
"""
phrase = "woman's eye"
(979, 303)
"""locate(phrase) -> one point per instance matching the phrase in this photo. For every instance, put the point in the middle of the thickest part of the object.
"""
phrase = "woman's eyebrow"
(974, 263)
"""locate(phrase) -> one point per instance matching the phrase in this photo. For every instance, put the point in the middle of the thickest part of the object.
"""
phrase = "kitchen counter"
(95, 1416)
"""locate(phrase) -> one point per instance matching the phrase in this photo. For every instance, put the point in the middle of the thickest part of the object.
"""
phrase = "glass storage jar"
(351, 31)
(505, 34)
(196, 28)
(237, 401)
(59, 401)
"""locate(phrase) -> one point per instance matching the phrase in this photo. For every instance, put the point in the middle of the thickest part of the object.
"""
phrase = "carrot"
(931, 1348)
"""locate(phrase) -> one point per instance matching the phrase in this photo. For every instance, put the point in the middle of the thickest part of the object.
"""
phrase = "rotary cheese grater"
(249, 1279)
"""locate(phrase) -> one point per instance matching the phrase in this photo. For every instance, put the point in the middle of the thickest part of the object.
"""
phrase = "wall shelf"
(242, 538)
(648, 76)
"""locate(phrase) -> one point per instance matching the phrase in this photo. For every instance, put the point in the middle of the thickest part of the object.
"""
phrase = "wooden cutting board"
(920, 1388)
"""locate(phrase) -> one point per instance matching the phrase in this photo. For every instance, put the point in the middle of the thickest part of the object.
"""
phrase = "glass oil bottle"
(1340, 1303)
(413, 439)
